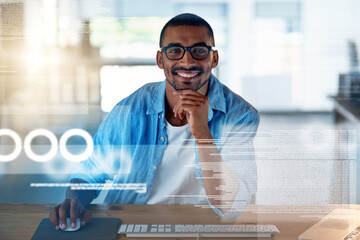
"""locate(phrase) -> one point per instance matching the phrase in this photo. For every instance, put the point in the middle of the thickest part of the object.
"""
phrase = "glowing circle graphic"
(17, 150)
(79, 157)
(36, 157)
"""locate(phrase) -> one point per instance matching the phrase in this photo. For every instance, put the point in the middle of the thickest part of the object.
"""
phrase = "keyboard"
(218, 231)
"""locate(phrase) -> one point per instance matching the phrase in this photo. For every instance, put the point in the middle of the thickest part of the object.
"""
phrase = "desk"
(19, 221)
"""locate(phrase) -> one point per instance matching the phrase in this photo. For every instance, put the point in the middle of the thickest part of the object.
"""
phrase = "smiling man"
(189, 138)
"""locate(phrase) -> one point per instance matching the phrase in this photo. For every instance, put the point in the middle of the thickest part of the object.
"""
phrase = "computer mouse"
(68, 228)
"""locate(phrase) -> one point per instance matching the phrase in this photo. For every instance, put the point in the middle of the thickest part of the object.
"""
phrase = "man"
(186, 136)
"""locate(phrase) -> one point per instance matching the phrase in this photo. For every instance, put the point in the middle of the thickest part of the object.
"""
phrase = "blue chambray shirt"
(130, 143)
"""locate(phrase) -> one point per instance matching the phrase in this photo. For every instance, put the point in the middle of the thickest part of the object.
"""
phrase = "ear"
(215, 59)
(159, 60)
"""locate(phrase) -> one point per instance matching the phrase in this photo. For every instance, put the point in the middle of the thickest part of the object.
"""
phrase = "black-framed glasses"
(177, 52)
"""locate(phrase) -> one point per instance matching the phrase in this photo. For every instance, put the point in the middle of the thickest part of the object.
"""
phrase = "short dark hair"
(187, 19)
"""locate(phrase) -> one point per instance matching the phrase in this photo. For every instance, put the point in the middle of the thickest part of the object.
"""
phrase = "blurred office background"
(65, 63)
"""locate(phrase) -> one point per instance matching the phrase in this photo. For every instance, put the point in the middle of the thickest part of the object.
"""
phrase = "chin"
(185, 86)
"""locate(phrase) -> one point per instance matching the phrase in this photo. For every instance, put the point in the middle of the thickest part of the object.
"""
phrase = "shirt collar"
(215, 94)
(157, 100)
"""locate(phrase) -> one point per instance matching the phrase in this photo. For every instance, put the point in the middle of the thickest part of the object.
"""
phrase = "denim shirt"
(130, 143)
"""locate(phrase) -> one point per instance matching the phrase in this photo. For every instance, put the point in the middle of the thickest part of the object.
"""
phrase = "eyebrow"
(180, 45)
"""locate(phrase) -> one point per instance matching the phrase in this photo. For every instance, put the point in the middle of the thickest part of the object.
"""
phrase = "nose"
(187, 58)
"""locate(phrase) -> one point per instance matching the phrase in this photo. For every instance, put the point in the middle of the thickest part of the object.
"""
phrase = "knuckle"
(62, 207)
(54, 211)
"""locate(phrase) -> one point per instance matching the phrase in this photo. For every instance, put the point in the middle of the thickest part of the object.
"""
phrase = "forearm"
(221, 184)
(85, 197)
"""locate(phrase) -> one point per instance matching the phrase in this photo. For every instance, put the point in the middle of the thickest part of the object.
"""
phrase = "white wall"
(326, 27)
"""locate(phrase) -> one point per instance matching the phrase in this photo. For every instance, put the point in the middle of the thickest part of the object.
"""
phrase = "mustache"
(173, 71)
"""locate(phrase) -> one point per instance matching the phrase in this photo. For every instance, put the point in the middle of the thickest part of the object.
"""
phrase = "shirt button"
(162, 138)
(154, 167)
(159, 116)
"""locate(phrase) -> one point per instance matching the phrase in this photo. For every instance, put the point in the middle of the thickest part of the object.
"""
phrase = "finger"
(54, 217)
(176, 109)
(73, 212)
(181, 112)
(188, 92)
(192, 97)
(81, 211)
(187, 115)
(63, 213)
(190, 102)
(187, 109)
(86, 218)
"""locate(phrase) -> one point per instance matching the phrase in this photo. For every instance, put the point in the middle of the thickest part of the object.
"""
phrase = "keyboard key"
(143, 228)
(122, 228)
(137, 228)
(201, 230)
(130, 228)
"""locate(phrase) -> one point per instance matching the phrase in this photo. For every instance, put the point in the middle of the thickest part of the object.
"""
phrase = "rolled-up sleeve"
(237, 151)
(101, 165)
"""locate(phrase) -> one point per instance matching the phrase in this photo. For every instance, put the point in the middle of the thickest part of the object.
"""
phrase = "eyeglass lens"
(198, 52)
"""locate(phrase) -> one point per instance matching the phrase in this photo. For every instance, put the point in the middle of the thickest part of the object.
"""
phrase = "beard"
(192, 85)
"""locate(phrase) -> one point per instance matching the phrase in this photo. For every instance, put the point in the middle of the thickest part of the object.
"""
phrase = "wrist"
(201, 137)
(83, 197)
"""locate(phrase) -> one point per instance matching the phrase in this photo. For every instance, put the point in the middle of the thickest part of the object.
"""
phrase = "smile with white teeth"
(187, 75)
